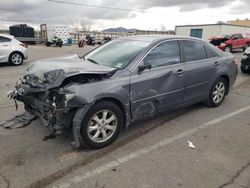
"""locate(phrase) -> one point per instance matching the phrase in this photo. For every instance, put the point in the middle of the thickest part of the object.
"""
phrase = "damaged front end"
(50, 104)
(46, 95)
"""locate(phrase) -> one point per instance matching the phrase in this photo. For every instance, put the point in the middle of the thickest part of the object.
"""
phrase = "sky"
(144, 14)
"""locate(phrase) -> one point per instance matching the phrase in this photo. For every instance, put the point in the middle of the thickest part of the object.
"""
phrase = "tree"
(85, 23)
(75, 26)
(162, 27)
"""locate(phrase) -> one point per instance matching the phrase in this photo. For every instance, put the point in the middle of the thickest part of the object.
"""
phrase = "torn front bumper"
(50, 106)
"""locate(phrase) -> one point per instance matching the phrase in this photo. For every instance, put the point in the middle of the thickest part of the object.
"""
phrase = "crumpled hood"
(69, 64)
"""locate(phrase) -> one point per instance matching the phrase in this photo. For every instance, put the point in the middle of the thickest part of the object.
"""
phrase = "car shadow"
(6, 64)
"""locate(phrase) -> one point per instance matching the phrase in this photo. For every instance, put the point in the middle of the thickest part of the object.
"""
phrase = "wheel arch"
(119, 104)
(15, 52)
(226, 77)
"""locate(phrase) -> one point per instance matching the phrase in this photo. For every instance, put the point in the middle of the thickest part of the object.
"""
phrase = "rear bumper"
(25, 54)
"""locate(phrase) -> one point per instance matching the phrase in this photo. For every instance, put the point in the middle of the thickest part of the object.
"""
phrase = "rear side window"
(166, 53)
(237, 36)
(194, 50)
(4, 39)
(210, 53)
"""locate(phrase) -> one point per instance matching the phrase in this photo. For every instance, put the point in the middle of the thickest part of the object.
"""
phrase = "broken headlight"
(52, 76)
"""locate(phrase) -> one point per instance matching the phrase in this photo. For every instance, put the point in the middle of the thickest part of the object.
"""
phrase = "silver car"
(12, 50)
(122, 81)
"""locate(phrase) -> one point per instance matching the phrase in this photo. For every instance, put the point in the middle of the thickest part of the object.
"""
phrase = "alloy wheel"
(16, 59)
(227, 49)
(102, 126)
(219, 92)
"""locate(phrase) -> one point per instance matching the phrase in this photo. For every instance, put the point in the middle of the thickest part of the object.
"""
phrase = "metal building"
(206, 31)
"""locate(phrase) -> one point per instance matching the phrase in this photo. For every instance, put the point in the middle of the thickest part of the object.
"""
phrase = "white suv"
(12, 50)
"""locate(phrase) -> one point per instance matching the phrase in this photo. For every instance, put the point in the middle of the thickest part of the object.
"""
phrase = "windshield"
(117, 53)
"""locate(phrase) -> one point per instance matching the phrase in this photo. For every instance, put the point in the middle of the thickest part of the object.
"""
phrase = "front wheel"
(228, 49)
(16, 58)
(101, 125)
(217, 93)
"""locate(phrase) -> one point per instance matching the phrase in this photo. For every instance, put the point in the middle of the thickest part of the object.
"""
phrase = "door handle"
(216, 64)
(179, 71)
(5, 45)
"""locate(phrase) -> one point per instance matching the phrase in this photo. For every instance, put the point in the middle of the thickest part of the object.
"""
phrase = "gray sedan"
(125, 80)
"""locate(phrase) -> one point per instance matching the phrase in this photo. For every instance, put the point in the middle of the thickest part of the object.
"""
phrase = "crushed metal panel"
(19, 121)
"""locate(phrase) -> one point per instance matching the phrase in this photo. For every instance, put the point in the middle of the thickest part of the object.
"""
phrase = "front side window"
(193, 50)
(167, 53)
(4, 39)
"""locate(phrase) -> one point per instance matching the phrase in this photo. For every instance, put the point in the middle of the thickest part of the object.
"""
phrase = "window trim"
(167, 40)
(6, 38)
(216, 55)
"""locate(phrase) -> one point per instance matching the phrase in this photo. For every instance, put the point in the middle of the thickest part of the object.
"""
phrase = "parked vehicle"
(55, 41)
(229, 43)
(122, 81)
(90, 39)
(106, 39)
(245, 61)
(81, 43)
(12, 50)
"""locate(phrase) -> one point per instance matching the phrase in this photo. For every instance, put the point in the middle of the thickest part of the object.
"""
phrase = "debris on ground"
(19, 121)
(191, 145)
(69, 156)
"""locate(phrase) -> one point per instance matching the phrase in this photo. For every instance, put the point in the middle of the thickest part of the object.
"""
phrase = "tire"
(243, 71)
(228, 49)
(16, 58)
(48, 44)
(94, 124)
(214, 101)
(60, 44)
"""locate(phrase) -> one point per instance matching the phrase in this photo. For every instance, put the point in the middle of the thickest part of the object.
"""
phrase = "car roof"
(155, 38)
(7, 36)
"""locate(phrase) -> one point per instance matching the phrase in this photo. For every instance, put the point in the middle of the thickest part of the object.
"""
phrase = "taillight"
(23, 45)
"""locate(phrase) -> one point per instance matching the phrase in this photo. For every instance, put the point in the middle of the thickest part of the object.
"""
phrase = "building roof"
(154, 38)
(217, 24)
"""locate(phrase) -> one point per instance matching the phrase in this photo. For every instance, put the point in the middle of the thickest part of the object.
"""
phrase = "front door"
(160, 87)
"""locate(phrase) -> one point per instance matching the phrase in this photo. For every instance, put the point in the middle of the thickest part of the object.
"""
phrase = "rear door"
(201, 64)
(160, 87)
(4, 48)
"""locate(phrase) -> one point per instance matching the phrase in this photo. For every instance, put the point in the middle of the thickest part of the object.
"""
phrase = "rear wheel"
(60, 44)
(48, 44)
(16, 58)
(101, 125)
(217, 93)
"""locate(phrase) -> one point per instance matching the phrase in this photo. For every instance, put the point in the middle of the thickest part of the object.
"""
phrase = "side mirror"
(143, 67)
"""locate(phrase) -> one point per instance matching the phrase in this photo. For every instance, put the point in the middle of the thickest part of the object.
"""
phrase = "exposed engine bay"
(51, 105)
